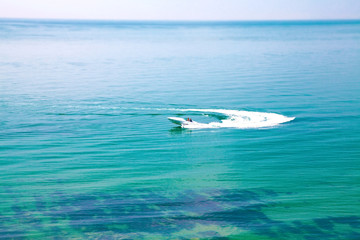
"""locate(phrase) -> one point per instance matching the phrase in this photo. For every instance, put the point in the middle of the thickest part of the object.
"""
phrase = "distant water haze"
(182, 9)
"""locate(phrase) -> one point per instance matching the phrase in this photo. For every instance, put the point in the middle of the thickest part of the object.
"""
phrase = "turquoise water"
(87, 151)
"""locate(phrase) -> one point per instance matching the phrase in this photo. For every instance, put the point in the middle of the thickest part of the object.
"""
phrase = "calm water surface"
(87, 152)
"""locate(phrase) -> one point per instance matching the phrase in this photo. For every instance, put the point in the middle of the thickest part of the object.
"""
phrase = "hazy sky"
(181, 9)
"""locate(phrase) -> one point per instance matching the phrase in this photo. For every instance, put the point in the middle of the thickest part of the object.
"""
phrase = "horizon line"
(183, 20)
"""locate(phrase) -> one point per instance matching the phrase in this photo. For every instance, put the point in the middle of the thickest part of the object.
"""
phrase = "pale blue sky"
(181, 9)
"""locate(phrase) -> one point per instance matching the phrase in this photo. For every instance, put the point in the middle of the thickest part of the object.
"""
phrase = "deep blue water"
(87, 151)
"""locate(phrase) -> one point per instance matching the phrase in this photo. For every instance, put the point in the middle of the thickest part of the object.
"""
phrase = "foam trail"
(239, 119)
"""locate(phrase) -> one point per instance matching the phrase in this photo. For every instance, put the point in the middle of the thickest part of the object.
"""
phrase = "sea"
(87, 150)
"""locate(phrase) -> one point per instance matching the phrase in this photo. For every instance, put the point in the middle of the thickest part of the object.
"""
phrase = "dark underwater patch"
(151, 214)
